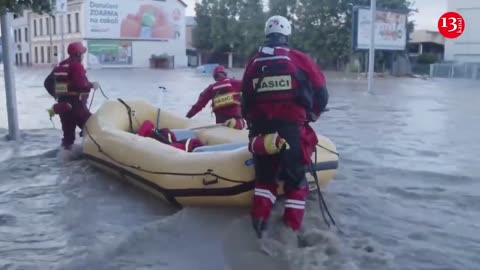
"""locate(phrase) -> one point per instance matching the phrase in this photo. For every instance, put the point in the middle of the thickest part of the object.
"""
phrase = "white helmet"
(278, 24)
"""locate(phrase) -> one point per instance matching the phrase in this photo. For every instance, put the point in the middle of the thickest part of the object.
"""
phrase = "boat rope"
(209, 172)
(91, 101)
(93, 96)
(157, 123)
(325, 148)
(103, 93)
(321, 199)
(129, 111)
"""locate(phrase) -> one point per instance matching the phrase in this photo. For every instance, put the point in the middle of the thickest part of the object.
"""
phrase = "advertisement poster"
(142, 20)
(109, 52)
(390, 30)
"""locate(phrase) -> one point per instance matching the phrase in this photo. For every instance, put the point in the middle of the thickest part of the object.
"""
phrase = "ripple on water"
(7, 220)
(407, 200)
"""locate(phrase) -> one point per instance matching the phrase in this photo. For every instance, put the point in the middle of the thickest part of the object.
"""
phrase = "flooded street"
(405, 195)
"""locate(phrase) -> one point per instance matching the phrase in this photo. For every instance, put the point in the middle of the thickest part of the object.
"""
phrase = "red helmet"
(217, 70)
(76, 48)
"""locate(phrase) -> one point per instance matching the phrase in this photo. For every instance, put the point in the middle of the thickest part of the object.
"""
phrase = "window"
(19, 35)
(21, 59)
(47, 22)
(41, 27)
(15, 35)
(54, 22)
(42, 54)
(36, 55)
(77, 23)
(34, 28)
(69, 21)
(55, 50)
(49, 54)
(27, 60)
(26, 34)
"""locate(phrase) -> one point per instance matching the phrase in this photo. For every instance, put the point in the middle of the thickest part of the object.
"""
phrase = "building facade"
(426, 42)
(117, 33)
(465, 48)
(21, 38)
(46, 41)
(190, 24)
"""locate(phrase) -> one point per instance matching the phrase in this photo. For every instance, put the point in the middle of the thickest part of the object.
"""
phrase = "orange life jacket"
(225, 95)
(62, 81)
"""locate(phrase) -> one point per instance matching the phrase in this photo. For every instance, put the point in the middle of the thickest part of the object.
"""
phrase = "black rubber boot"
(260, 226)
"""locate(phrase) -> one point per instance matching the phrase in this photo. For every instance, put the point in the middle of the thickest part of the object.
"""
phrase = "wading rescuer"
(283, 90)
(69, 85)
(225, 96)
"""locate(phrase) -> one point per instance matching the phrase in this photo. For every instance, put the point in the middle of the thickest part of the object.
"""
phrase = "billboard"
(390, 29)
(133, 19)
(109, 52)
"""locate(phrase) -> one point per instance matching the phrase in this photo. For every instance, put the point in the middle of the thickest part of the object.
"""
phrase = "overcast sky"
(428, 12)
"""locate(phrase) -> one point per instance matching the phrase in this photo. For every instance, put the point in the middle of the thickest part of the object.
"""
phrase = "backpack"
(49, 84)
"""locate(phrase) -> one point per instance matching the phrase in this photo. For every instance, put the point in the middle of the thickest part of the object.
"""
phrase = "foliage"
(17, 6)
(252, 22)
(201, 33)
(322, 28)
(284, 8)
(427, 58)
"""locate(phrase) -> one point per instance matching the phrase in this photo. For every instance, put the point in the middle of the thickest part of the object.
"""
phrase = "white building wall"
(465, 48)
(22, 39)
(42, 39)
(141, 50)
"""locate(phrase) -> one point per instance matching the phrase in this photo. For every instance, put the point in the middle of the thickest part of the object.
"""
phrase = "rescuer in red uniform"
(68, 84)
(283, 90)
(165, 135)
(225, 96)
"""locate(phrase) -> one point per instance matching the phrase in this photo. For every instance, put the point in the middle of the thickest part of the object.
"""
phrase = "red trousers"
(71, 119)
(290, 165)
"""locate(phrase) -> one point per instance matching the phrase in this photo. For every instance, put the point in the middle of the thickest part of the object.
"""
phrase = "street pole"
(230, 56)
(51, 38)
(62, 33)
(6, 20)
(371, 55)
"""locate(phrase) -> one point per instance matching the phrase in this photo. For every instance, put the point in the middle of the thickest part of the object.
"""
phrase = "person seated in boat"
(283, 91)
(224, 94)
(166, 136)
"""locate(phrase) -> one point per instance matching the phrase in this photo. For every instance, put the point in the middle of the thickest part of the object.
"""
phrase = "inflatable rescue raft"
(219, 173)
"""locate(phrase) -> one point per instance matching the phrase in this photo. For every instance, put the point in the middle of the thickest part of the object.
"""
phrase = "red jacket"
(224, 113)
(78, 76)
(284, 110)
(77, 80)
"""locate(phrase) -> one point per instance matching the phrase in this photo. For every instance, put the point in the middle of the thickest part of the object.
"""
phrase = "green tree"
(233, 26)
(252, 23)
(427, 58)
(324, 27)
(201, 37)
(17, 6)
(317, 30)
(219, 31)
(284, 8)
